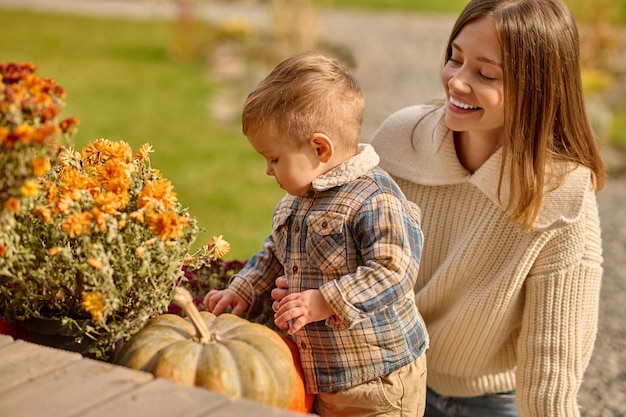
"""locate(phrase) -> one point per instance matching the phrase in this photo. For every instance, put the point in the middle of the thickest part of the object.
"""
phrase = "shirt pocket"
(326, 241)
(280, 231)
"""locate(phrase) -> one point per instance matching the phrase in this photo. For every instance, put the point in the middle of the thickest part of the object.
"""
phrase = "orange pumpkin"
(302, 400)
(224, 353)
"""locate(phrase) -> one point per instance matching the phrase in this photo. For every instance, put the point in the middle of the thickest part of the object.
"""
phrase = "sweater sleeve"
(560, 319)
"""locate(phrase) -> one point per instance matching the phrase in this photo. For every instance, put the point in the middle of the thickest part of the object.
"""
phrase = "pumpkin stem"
(183, 298)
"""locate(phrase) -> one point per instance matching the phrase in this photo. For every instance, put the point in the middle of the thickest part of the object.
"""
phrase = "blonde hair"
(304, 94)
(544, 113)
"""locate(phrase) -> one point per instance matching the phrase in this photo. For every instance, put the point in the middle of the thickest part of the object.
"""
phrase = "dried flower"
(30, 130)
(218, 246)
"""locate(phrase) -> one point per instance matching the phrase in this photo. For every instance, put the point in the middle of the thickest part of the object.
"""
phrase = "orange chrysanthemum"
(143, 154)
(77, 224)
(101, 150)
(158, 193)
(12, 204)
(40, 165)
(114, 176)
(167, 225)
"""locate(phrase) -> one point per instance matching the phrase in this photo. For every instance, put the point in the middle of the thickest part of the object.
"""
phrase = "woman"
(505, 172)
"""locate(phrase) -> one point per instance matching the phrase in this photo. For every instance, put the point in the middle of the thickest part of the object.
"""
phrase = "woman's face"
(472, 79)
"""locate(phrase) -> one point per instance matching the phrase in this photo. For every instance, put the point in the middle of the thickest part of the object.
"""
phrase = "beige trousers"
(402, 393)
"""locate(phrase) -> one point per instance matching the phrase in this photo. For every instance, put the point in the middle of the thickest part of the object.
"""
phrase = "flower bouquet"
(97, 241)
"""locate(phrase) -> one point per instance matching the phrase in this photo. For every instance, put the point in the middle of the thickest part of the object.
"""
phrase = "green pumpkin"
(224, 353)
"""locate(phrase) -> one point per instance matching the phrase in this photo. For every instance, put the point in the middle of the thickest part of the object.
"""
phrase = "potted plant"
(96, 242)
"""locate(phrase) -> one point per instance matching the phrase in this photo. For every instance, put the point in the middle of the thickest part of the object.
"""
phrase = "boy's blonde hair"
(304, 94)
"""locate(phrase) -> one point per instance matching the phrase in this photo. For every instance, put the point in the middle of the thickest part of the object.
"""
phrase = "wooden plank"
(160, 398)
(247, 408)
(69, 390)
(22, 361)
(5, 340)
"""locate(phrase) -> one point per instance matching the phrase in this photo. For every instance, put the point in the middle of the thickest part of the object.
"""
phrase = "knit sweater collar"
(354, 167)
(432, 160)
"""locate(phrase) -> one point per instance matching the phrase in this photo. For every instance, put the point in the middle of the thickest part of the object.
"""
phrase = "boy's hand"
(300, 309)
(216, 301)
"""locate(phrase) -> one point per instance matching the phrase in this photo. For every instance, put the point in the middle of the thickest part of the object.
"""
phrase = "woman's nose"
(459, 81)
(269, 170)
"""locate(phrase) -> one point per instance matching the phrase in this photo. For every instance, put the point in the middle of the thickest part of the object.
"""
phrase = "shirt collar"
(432, 161)
(361, 163)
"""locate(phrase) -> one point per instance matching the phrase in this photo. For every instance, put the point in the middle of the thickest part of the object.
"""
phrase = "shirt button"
(324, 224)
(294, 269)
(297, 229)
(303, 345)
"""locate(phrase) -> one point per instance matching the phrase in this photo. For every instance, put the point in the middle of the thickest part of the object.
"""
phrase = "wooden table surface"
(38, 381)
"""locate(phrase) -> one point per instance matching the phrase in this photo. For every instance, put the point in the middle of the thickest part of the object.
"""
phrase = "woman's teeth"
(463, 105)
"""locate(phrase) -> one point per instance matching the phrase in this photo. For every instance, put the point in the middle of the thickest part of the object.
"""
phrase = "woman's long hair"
(545, 120)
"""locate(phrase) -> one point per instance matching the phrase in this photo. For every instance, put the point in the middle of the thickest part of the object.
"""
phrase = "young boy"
(345, 237)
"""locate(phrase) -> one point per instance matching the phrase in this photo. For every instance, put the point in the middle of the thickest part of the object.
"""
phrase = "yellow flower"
(41, 165)
(218, 246)
(29, 188)
(53, 251)
(93, 303)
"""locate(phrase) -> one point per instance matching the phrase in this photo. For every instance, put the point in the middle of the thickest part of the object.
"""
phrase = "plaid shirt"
(357, 239)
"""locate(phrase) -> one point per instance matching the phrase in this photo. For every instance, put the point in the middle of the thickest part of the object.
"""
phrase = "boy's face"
(294, 167)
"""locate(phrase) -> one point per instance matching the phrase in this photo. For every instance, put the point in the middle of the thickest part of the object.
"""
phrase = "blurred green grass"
(122, 85)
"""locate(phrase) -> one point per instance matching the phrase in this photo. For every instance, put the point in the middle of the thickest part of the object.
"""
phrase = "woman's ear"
(323, 147)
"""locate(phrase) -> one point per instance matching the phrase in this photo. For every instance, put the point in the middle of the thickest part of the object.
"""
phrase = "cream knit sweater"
(504, 309)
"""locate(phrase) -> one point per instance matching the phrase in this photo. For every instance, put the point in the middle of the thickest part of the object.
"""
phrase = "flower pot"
(11, 329)
(51, 332)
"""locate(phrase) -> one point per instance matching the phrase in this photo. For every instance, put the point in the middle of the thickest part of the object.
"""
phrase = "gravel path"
(398, 57)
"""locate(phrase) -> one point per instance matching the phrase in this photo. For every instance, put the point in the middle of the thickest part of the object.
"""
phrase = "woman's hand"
(280, 292)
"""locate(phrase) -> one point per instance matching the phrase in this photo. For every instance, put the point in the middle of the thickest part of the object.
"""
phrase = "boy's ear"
(323, 147)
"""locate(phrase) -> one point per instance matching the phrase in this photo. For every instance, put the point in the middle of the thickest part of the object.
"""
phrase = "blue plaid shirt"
(357, 239)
